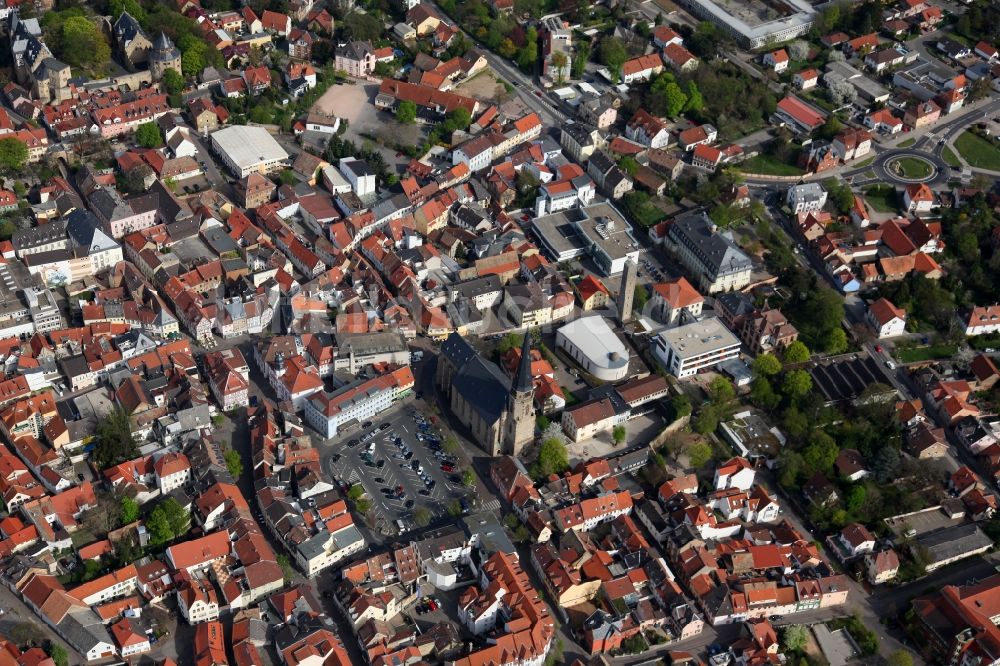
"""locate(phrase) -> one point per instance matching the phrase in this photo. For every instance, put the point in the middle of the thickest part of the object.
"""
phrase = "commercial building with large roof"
(594, 346)
(246, 150)
(599, 231)
(700, 345)
(756, 23)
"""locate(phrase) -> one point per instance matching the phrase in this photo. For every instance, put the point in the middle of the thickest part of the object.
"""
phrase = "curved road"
(929, 145)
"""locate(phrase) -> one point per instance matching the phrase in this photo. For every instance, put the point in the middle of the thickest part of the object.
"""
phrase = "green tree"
(675, 99)
(580, 59)
(762, 393)
(695, 101)
(406, 112)
(172, 81)
(821, 452)
(129, 510)
(177, 516)
(854, 498)
(707, 420)
(234, 463)
(699, 454)
(618, 434)
(362, 27)
(528, 55)
(797, 352)
(148, 135)
(468, 478)
(422, 517)
(552, 457)
(721, 390)
(559, 61)
(507, 48)
(13, 154)
(681, 404)
(81, 43)
(286, 567)
(114, 441)
(159, 527)
(455, 509)
(797, 384)
(835, 341)
(794, 638)
(900, 658)
(628, 164)
(613, 55)
(795, 422)
(193, 58)
(766, 365)
(61, 657)
(116, 7)
(450, 445)
(355, 492)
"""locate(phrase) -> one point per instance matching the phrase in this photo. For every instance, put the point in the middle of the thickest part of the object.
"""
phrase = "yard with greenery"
(949, 156)
(769, 166)
(882, 198)
(928, 353)
(978, 151)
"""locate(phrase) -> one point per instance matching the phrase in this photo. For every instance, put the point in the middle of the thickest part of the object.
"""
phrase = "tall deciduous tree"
(114, 439)
(13, 154)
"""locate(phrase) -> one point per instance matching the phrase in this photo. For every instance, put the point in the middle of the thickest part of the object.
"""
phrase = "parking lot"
(395, 461)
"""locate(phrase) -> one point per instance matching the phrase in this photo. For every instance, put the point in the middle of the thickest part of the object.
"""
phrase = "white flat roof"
(248, 146)
(597, 341)
(699, 337)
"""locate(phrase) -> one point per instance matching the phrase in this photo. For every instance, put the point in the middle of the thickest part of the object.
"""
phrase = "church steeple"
(522, 380)
(519, 425)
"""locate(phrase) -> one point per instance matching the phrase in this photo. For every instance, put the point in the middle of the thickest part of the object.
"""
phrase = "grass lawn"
(926, 353)
(907, 143)
(978, 152)
(882, 198)
(949, 157)
(913, 168)
(769, 166)
(864, 163)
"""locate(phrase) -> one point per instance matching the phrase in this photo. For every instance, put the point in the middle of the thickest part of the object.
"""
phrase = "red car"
(878, 348)
(447, 468)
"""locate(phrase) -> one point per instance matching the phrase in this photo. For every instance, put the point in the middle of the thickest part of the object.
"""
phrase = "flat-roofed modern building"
(246, 150)
(700, 345)
(599, 231)
(594, 346)
(755, 25)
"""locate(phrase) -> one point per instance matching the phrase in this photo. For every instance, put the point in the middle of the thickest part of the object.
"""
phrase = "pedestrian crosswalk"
(353, 477)
(492, 505)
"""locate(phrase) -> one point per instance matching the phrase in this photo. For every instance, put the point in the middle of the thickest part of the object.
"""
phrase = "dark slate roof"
(43, 234)
(714, 250)
(523, 380)
(164, 49)
(480, 382)
(127, 28)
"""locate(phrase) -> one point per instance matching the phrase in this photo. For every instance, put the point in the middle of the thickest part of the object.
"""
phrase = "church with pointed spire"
(498, 411)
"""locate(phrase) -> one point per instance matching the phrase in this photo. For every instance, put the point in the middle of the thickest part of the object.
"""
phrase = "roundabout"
(911, 168)
(905, 166)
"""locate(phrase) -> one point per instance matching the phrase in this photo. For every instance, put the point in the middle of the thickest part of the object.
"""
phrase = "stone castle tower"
(519, 422)
(163, 56)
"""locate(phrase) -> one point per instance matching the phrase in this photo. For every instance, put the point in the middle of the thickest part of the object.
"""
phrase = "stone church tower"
(164, 56)
(519, 424)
